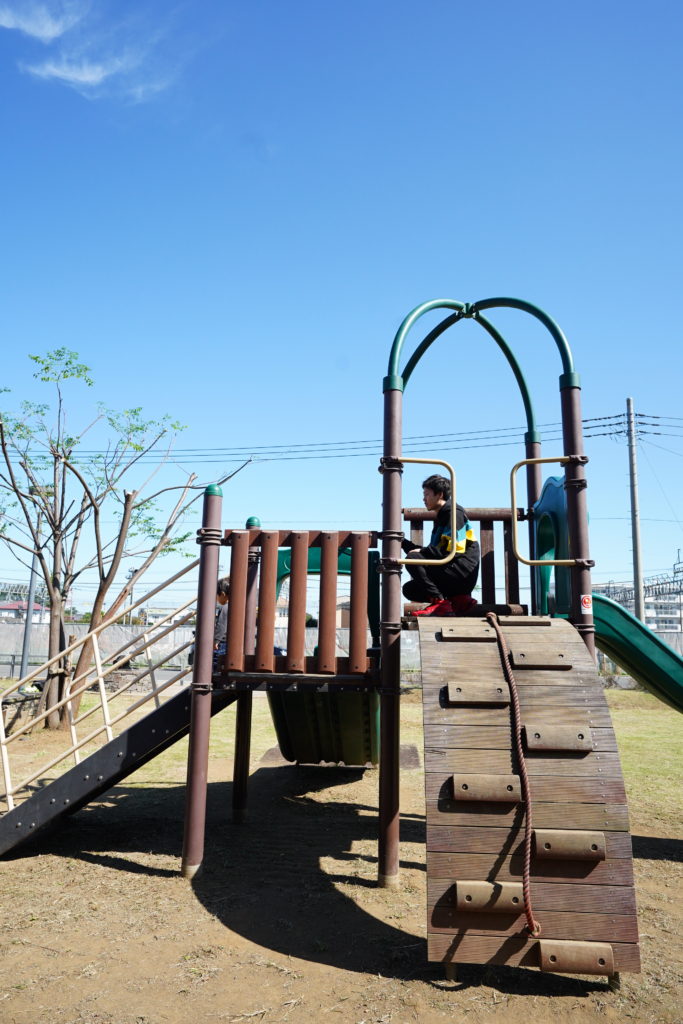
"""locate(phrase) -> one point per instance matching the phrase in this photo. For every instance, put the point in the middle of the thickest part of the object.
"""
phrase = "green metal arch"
(464, 310)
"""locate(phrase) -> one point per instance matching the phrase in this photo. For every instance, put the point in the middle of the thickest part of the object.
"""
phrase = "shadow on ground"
(263, 879)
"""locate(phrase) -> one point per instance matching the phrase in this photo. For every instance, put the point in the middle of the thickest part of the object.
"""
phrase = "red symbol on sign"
(587, 602)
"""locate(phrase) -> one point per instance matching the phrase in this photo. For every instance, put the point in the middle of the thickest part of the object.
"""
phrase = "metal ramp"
(121, 756)
(580, 877)
(105, 738)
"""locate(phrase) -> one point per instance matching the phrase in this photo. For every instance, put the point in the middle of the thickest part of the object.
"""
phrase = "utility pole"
(639, 600)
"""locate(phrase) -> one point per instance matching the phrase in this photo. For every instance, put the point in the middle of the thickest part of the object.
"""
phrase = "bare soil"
(285, 922)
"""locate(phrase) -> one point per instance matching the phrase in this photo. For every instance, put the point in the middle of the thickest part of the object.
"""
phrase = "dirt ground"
(284, 922)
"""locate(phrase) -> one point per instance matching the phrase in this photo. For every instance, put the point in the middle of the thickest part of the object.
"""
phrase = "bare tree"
(52, 493)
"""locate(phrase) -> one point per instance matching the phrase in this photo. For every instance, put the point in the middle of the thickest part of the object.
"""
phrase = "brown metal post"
(240, 775)
(488, 568)
(358, 633)
(511, 564)
(388, 851)
(237, 612)
(327, 614)
(266, 601)
(296, 625)
(209, 536)
(534, 483)
(577, 510)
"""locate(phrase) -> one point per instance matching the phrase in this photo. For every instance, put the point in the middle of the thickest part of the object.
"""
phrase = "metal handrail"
(98, 629)
(97, 674)
(562, 460)
(451, 555)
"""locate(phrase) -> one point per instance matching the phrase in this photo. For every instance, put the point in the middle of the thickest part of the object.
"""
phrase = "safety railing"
(487, 519)
(108, 712)
(253, 597)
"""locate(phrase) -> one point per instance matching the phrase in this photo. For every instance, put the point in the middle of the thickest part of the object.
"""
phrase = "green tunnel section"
(553, 583)
(639, 651)
(333, 726)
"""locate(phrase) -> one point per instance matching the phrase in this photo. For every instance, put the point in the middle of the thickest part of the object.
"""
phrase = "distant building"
(15, 611)
(663, 603)
(153, 614)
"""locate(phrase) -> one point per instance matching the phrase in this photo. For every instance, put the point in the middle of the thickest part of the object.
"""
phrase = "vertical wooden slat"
(511, 566)
(416, 534)
(296, 627)
(238, 599)
(327, 616)
(358, 639)
(488, 571)
(265, 621)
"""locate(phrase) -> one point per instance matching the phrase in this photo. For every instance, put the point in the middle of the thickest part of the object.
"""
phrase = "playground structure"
(528, 850)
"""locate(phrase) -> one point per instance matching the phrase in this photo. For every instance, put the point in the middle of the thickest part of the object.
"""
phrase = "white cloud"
(97, 50)
(42, 21)
(80, 73)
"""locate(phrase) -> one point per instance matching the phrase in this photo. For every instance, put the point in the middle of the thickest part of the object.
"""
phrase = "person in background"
(220, 631)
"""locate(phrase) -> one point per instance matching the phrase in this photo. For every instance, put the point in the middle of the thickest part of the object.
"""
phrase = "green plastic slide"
(638, 650)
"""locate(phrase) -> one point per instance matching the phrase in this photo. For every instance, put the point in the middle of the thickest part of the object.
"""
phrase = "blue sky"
(227, 209)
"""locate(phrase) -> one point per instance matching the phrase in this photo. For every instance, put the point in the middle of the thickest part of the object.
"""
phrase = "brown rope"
(533, 925)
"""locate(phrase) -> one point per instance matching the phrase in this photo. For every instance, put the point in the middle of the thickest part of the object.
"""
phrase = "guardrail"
(106, 715)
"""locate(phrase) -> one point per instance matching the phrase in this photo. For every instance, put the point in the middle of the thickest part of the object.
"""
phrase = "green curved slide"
(639, 651)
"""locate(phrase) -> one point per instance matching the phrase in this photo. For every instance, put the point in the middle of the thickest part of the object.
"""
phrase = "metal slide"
(639, 651)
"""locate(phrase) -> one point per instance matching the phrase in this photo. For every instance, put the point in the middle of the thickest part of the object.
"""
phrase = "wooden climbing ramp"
(580, 875)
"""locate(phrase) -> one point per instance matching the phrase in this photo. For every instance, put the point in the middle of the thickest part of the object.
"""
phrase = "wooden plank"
(519, 951)
(555, 925)
(595, 764)
(553, 896)
(550, 789)
(440, 713)
(511, 566)
(493, 867)
(493, 737)
(613, 817)
(464, 839)
(488, 569)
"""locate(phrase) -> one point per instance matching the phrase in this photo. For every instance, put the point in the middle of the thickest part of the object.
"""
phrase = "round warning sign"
(587, 603)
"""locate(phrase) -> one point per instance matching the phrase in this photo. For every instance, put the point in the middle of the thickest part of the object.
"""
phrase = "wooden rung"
(576, 957)
(573, 738)
(489, 897)
(540, 657)
(492, 788)
(474, 632)
(569, 844)
(478, 693)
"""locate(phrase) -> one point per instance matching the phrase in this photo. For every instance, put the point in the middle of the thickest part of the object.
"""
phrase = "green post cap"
(214, 491)
(252, 523)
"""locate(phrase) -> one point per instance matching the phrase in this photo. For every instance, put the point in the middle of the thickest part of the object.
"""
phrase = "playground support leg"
(451, 972)
(200, 721)
(533, 493)
(577, 515)
(240, 777)
(388, 849)
(242, 751)
(614, 982)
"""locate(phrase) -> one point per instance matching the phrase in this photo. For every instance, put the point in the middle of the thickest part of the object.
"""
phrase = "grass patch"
(650, 738)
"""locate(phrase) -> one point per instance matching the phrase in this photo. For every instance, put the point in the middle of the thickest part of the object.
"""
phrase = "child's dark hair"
(438, 484)
(223, 586)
